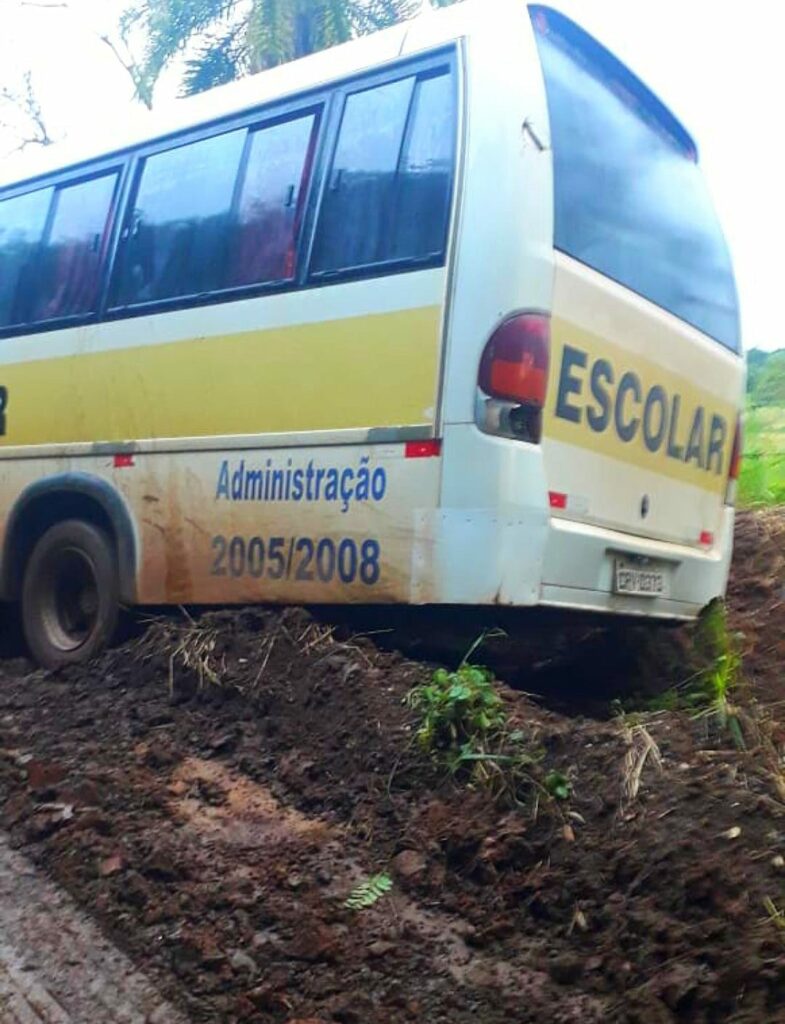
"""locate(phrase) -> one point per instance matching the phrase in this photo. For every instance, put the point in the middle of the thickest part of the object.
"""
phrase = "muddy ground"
(214, 818)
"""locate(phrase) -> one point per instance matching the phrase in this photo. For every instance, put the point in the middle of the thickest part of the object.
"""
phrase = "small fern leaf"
(369, 892)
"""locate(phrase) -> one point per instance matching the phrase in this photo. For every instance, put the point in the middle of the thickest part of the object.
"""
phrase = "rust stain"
(178, 584)
(154, 526)
(197, 526)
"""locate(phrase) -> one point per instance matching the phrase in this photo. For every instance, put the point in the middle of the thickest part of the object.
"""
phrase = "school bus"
(443, 316)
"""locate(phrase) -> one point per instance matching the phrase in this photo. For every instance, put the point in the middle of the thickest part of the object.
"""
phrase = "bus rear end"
(606, 422)
(641, 433)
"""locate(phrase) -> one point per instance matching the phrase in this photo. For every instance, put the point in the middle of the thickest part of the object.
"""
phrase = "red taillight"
(735, 459)
(735, 464)
(515, 362)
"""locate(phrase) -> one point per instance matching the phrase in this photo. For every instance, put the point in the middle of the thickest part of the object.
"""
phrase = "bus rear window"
(630, 199)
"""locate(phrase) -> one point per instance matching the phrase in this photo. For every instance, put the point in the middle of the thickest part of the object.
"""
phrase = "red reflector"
(557, 500)
(707, 538)
(515, 362)
(423, 449)
(123, 461)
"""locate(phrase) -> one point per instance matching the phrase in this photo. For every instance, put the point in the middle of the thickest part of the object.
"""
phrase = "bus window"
(631, 201)
(22, 223)
(270, 202)
(69, 264)
(388, 193)
(176, 240)
(420, 213)
(359, 189)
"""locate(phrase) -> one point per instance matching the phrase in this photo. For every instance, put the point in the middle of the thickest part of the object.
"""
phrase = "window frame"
(441, 61)
(250, 123)
(327, 103)
(58, 184)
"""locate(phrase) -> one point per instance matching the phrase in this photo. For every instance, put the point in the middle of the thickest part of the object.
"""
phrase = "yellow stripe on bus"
(616, 403)
(378, 370)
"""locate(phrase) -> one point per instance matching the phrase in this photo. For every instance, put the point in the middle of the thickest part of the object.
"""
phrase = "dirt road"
(214, 822)
(55, 965)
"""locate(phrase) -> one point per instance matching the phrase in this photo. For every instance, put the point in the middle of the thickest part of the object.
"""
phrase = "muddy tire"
(70, 594)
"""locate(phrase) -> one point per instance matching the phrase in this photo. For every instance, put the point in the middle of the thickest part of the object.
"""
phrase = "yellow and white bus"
(443, 316)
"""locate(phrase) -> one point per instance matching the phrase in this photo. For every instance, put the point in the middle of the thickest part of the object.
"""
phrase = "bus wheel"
(70, 594)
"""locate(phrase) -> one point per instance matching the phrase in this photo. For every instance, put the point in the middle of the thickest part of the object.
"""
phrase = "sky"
(718, 65)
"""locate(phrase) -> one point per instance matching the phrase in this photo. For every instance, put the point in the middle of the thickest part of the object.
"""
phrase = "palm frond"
(170, 25)
(225, 39)
(218, 60)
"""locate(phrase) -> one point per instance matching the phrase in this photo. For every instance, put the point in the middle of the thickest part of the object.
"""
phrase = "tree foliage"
(222, 40)
(766, 377)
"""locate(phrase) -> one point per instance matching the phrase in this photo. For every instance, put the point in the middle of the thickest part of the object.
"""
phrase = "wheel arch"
(55, 499)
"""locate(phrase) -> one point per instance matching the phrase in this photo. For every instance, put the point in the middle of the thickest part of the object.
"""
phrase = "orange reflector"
(707, 538)
(735, 459)
(123, 461)
(423, 449)
(522, 380)
(557, 500)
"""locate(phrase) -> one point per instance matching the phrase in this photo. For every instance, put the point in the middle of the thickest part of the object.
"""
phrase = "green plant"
(762, 480)
(717, 681)
(218, 41)
(459, 711)
(558, 786)
(464, 726)
(369, 892)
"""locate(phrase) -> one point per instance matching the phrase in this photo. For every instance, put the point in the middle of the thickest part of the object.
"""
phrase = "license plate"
(640, 580)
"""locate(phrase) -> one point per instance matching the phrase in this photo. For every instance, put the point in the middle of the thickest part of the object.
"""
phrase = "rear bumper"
(524, 558)
(579, 560)
(512, 551)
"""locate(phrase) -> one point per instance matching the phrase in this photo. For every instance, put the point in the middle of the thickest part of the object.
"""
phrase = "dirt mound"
(214, 791)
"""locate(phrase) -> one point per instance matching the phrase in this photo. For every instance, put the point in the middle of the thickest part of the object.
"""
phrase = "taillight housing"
(513, 378)
(735, 463)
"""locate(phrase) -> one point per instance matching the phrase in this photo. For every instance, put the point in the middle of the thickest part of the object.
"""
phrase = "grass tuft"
(190, 646)
(716, 676)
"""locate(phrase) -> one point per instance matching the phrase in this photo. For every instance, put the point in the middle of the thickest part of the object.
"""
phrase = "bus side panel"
(353, 356)
(221, 519)
(305, 525)
(504, 239)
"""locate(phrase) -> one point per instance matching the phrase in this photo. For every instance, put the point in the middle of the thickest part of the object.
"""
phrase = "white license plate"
(640, 580)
